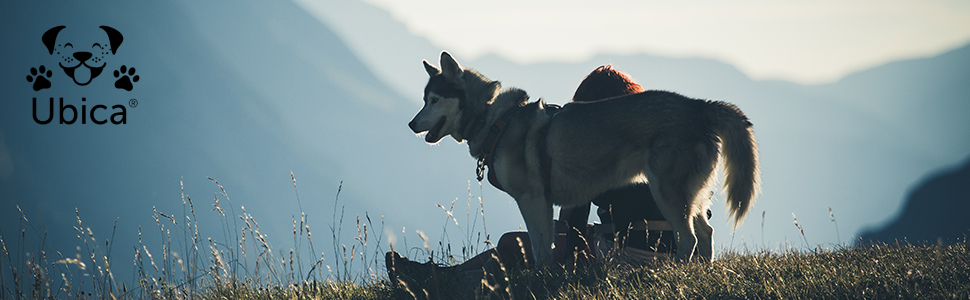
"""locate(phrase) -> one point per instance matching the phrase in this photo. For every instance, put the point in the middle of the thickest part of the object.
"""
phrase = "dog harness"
(495, 134)
(491, 141)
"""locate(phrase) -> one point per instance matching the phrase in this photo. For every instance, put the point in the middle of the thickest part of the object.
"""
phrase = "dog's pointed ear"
(492, 91)
(493, 88)
(50, 37)
(449, 67)
(114, 37)
(432, 70)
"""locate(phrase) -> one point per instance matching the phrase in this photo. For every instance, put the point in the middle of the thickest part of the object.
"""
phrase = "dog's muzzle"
(82, 56)
(433, 134)
(82, 76)
(411, 125)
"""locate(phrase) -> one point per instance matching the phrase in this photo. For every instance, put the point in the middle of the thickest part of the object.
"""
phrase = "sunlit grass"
(902, 271)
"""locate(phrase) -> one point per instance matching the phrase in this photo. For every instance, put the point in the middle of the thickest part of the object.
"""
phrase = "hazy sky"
(801, 41)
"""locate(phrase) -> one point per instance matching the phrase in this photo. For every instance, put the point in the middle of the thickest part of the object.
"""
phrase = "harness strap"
(497, 130)
(545, 161)
(487, 158)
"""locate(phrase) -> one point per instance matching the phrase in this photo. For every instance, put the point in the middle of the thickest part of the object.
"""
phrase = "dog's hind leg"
(705, 237)
(674, 205)
(699, 182)
(537, 213)
(678, 174)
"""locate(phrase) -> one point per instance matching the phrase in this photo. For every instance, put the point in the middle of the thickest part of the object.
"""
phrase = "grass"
(912, 272)
(242, 264)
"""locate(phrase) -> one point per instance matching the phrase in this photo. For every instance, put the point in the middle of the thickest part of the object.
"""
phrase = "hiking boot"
(426, 279)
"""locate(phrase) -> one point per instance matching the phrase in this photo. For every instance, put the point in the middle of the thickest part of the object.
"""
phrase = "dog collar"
(472, 127)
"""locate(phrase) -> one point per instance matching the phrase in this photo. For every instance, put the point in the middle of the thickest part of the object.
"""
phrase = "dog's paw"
(125, 77)
(39, 78)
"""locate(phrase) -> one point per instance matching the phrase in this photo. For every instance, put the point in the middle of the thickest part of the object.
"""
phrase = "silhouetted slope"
(924, 102)
(381, 42)
(935, 211)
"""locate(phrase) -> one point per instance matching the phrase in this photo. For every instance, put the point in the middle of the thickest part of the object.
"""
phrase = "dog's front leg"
(537, 213)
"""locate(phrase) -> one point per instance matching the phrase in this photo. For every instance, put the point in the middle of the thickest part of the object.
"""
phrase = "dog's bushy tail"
(740, 152)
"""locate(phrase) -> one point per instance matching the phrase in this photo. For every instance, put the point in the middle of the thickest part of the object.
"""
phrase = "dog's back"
(607, 140)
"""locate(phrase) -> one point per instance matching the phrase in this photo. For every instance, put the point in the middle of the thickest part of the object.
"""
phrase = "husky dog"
(543, 156)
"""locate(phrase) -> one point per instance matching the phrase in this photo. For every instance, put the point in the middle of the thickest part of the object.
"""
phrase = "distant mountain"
(381, 42)
(934, 212)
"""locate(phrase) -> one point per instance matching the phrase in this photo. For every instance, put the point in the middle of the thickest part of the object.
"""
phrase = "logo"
(82, 54)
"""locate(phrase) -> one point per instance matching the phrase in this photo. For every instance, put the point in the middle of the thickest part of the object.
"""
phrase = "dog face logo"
(82, 55)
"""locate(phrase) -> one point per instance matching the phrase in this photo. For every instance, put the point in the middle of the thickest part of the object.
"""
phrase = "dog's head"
(82, 52)
(451, 92)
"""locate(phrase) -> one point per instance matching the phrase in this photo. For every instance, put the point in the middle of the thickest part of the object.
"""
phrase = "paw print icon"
(39, 77)
(126, 76)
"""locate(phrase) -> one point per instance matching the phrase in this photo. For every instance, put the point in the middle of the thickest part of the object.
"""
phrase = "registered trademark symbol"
(132, 102)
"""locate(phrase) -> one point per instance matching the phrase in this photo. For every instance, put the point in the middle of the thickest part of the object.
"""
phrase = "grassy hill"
(908, 272)
(208, 269)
